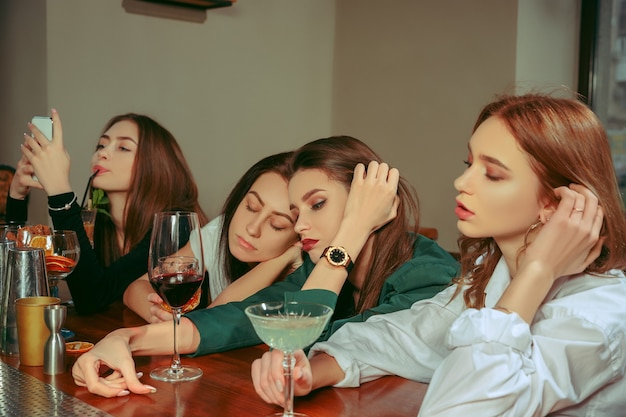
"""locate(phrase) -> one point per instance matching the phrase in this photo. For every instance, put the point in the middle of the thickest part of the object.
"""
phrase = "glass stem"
(176, 368)
(288, 363)
(54, 288)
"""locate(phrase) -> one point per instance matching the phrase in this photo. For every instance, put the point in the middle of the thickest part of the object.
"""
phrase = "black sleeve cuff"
(17, 210)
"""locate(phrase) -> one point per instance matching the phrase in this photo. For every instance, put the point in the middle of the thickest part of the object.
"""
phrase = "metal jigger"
(54, 351)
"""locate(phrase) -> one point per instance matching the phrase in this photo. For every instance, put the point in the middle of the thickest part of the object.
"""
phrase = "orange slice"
(55, 263)
(41, 242)
(78, 347)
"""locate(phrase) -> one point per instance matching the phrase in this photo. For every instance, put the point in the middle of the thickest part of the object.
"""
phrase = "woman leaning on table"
(142, 171)
(537, 324)
(247, 247)
(367, 213)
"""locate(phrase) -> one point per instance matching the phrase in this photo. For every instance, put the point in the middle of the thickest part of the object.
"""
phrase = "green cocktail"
(288, 326)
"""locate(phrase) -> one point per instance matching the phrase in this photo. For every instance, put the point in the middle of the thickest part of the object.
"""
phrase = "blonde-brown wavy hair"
(565, 143)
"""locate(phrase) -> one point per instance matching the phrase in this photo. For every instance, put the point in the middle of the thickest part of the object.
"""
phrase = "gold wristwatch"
(337, 256)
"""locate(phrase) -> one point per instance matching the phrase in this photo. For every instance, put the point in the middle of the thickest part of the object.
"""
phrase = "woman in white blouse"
(537, 324)
(251, 244)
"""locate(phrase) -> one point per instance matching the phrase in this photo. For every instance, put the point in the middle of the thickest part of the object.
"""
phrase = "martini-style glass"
(288, 326)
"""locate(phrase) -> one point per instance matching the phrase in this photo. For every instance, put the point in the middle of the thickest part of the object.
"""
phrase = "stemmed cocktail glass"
(175, 278)
(62, 251)
(288, 326)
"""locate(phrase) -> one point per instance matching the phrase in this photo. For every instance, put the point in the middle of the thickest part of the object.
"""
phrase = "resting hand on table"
(112, 352)
(269, 379)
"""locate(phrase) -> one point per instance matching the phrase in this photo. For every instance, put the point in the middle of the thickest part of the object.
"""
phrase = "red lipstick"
(462, 212)
(308, 244)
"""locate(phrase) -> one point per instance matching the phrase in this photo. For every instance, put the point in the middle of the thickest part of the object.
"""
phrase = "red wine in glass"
(176, 288)
(176, 278)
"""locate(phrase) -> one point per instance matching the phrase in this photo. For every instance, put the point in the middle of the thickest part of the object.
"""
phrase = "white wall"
(23, 80)
(254, 79)
(407, 76)
(547, 44)
(410, 80)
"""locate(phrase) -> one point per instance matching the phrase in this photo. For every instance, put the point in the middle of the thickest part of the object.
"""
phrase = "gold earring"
(531, 228)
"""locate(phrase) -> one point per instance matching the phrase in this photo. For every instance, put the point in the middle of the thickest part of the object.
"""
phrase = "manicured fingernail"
(123, 393)
(53, 111)
(139, 374)
(152, 389)
(279, 385)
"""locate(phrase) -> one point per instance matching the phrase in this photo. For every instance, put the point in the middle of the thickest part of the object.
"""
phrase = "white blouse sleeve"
(213, 263)
(409, 343)
(499, 368)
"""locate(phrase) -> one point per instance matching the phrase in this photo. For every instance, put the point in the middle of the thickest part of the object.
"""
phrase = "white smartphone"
(44, 124)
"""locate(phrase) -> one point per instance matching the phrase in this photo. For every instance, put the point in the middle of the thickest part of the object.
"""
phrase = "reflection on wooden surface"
(225, 389)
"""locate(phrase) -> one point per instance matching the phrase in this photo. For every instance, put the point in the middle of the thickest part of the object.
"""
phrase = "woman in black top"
(142, 171)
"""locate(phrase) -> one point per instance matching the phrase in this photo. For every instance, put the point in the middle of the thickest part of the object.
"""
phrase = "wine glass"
(9, 231)
(62, 251)
(175, 278)
(288, 326)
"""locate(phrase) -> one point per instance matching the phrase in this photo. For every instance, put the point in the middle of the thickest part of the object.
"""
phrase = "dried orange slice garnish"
(41, 242)
(55, 263)
(78, 347)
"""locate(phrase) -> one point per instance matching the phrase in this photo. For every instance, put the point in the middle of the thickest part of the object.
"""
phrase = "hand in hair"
(566, 244)
(373, 199)
(570, 241)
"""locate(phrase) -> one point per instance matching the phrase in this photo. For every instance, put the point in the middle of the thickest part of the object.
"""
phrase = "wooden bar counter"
(225, 389)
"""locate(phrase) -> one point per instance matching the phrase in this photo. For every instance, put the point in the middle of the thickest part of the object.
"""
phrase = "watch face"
(337, 256)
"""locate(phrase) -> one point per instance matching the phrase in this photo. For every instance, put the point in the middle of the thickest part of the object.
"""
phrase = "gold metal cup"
(32, 331)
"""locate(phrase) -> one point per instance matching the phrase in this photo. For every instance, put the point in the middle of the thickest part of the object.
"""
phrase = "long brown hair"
(565, 143)
(393, 243)
(161, 180)
(278, 164)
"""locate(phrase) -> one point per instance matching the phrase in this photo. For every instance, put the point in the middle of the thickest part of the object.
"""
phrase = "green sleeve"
(430, 271)
(318, 296)
(227, 327)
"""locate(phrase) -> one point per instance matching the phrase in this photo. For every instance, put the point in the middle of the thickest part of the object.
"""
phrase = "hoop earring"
(534, 226)
(531, 228)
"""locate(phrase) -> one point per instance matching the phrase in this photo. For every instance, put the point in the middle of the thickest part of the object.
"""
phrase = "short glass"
(89, 221)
